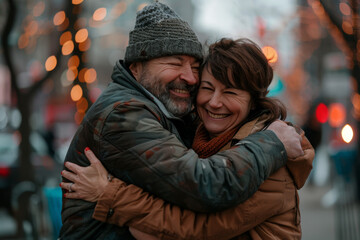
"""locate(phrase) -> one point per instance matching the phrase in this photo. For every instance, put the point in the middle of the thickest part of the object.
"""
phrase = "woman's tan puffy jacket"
(271, 213)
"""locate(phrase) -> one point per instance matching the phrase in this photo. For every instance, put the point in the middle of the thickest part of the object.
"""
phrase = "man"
(141, 127)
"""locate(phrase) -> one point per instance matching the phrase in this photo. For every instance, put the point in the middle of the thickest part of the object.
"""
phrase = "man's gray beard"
(163, 94)
(171, 105)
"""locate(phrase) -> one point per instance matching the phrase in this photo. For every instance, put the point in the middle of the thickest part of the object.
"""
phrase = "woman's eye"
(206, 88)
(230, 93)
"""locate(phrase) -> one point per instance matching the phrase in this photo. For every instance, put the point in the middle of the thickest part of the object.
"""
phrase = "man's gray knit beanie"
(160, 32)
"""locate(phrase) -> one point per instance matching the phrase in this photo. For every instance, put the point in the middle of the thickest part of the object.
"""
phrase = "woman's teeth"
(217, 116)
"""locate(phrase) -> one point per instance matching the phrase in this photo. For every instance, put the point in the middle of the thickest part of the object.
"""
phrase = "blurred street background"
(56, 57)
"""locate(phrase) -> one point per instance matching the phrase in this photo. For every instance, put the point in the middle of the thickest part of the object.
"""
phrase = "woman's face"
(221, 108)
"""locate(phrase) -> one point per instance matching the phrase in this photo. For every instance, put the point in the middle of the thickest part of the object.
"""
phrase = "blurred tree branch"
(9, 23)
(24, 98)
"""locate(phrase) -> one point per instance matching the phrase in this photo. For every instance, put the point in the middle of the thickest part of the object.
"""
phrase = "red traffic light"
(322, 113)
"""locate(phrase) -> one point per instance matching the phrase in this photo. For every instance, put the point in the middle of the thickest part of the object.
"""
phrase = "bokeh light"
(23, 41)
(90, 75)
(59, 18)
(76, 93)
(67, 48)
(99, 14)
(4, 171)
(322, 113)
(71, 73)
(38, 9)
(81, 35)
(82, 74)
(337, 114)
(32, 28)
(347, 133)
(66, 36)
(50, 63)
(77, 2)
(82, 105)
(270, 53)
(74, 61)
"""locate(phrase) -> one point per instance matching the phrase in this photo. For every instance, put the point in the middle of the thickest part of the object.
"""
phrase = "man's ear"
(136, 69)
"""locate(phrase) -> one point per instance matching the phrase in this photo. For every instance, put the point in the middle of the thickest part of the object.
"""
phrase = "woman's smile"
(217, 115)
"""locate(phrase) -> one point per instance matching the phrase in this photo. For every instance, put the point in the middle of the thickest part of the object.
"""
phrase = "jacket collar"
(250, 127)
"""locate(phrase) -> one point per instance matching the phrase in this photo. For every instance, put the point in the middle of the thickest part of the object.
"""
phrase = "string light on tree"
(270, 53)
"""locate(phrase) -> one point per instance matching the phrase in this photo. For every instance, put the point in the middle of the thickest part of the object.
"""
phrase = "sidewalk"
(317, 221)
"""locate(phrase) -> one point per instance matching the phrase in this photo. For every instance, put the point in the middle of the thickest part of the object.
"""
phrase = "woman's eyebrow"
(207, 82)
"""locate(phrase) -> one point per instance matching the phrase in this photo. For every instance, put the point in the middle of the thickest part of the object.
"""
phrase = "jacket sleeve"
(136, 208)
(135, 147)
(300, 167)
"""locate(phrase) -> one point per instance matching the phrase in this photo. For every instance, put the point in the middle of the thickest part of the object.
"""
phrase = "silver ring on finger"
(70, 190)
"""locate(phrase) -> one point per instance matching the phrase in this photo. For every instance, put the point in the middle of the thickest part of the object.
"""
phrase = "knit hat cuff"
(150, 49)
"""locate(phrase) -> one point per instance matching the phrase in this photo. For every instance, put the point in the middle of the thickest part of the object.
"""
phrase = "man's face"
(173, 80)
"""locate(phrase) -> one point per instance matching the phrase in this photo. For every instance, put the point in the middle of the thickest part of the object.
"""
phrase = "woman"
(231, 104)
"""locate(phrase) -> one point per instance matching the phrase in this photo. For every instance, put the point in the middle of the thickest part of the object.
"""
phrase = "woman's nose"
(215, 100)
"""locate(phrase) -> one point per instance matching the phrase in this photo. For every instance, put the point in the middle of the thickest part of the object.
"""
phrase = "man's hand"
(289, 137)
(87, 183)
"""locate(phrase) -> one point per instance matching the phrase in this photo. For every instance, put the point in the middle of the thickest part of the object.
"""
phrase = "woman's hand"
(86, 183)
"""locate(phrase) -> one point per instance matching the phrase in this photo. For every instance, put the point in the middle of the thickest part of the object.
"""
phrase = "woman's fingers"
(69, 175)
(68, 186)
(91, 156)
(73, 167)
(70, 190)
(72, 195)
(95, 163)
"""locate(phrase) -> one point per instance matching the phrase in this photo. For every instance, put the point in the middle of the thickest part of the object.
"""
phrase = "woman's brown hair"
(241, 64)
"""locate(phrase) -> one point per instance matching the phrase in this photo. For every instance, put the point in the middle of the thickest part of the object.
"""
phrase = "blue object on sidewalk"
(345, 160)
(54, 202)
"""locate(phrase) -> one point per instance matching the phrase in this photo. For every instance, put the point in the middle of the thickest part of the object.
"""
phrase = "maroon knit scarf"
(205, 146)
